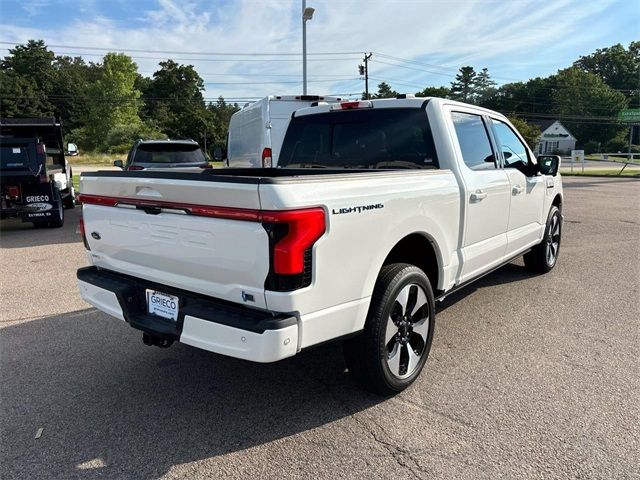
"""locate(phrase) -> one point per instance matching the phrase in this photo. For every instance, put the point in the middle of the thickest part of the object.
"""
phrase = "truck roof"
(294, 98)
(47, 129)
(186, 141)
(28, 121)
(407, 102)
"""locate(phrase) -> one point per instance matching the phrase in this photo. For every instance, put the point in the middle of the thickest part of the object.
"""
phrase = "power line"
(412, 68)
(398, 82)
(550, 88)
(279, 82)
(415, 62)
(349, 59)
(431, 65)
(182, 52)
(251, 74)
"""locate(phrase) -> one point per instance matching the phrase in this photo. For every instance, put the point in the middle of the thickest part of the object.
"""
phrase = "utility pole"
(364, 70)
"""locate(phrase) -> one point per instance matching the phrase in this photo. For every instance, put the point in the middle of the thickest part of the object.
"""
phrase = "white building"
(554, 137)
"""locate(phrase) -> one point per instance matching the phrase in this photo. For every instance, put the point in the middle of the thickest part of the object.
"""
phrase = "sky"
(247, 49)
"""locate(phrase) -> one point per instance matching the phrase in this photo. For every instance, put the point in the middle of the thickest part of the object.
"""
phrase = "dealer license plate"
(163, 305)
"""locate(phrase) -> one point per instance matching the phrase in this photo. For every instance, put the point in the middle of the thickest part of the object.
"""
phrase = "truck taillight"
(83, 233)
(292, 235)
(267, 159)
(12, 192)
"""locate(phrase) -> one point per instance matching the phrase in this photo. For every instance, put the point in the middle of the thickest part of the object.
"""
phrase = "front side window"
(513, 150)
(474, 141)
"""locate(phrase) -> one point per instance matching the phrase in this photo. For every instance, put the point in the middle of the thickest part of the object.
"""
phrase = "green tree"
(112, 100)
(484, 87)
(464, 86)
(30, 72)
(527, 130)
(441, 92)
(173, 100)
(384, 91)
(120, 138)
(533, 96)
(20, 97)
(220, 112)
(618, 67)
(583, 94)
(72, 79)
(33, 60)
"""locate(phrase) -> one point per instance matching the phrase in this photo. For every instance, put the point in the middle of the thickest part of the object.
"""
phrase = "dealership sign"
(630, 115)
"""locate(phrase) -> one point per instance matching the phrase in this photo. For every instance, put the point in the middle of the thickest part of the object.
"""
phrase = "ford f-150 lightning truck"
(377, 209)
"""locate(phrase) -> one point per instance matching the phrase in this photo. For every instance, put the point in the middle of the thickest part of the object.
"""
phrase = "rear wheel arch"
(420, 250)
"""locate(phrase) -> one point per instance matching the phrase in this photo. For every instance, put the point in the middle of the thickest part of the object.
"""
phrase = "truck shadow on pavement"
(111, 407)
(508, 274)
(15, 234)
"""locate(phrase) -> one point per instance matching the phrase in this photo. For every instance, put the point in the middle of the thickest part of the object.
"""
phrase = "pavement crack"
(397, 453)
(426, 408)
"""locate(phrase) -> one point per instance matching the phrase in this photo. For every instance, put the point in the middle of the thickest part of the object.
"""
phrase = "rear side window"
(365, 138)
(474, 141)
(169, 153)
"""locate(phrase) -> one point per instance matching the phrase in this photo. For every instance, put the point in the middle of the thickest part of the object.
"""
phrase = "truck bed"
(220, 247)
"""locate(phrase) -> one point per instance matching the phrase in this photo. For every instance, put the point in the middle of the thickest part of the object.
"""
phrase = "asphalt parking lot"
(530, 376)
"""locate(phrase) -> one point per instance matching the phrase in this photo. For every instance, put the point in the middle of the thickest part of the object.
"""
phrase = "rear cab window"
(384, 138)
(168, 153)
(13, 155)
(474, 142)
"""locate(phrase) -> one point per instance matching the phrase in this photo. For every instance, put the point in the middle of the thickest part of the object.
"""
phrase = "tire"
(544, 256)
(70, 199)
(392, 349)
(58, 222)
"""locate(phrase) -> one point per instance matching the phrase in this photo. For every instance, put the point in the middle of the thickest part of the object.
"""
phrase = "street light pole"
(307, 14)
(304, 49)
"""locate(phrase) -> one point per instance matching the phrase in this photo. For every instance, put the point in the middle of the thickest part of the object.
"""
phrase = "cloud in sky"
(515, 39)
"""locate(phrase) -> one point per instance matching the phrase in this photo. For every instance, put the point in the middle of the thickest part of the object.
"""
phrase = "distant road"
(597, 165)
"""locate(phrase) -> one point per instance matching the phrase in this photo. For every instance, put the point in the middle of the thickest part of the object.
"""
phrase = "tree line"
(105, 106)
(587, 96)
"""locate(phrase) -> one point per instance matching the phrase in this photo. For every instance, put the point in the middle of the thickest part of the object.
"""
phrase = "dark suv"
(147, 154)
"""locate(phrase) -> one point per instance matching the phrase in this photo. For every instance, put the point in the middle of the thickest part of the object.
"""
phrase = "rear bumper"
(203, 322)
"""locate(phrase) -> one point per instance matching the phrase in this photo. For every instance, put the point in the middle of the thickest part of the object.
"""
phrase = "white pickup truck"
(377, 209)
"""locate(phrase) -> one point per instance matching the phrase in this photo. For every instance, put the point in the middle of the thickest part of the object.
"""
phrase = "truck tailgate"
(157, 229)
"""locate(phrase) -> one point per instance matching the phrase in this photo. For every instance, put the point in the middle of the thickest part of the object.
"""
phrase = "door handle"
(478, 196)
(517, 190)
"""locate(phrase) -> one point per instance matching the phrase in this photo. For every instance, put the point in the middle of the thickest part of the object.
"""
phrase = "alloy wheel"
(407, 331)
(553, 240)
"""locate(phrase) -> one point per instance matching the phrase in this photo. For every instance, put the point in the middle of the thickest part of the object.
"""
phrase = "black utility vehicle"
(35, 179)
(148, 154)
